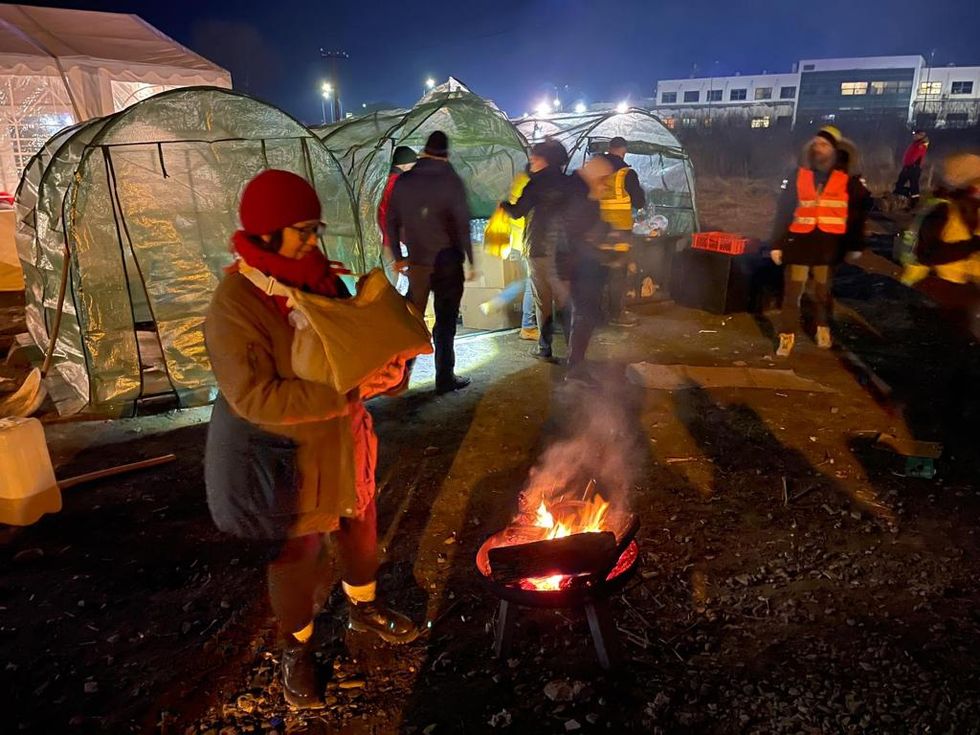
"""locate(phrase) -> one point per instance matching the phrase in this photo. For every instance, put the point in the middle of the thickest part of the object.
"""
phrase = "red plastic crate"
(728, 243)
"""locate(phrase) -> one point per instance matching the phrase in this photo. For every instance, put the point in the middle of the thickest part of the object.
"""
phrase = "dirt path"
(850, 608)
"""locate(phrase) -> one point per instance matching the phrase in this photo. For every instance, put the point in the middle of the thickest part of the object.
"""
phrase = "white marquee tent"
(61, 67)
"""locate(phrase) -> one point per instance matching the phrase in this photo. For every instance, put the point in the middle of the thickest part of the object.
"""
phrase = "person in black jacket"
(428, 212)
(543, 203)
(819, 215)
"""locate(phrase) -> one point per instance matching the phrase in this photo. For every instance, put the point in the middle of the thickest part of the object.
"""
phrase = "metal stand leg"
(603, 632)
(505, 629)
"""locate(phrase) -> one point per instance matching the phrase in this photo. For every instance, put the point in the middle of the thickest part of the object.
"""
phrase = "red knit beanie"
(276, 199)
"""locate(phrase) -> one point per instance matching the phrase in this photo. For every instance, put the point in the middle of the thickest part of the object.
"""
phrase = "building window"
(760, 122)
(714, 95)
(787, 93)
(670, 123)
(848, 89)
(736, 94)
(927, 88)
(809, 67)
(763, 93)
(878, 88)
(689, 122)
(957, 119)
(668, 98)
(961, 88)
(692, 96)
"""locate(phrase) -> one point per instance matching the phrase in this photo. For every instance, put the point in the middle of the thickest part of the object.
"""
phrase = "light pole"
(430, 84)
(326, 90)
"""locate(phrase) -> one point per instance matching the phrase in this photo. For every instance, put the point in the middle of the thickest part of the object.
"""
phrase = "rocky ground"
(792, 578)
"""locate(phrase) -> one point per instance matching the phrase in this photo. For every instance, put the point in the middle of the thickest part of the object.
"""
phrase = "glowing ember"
(585, 519)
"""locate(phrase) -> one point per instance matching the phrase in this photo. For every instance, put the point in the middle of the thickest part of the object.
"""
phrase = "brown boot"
(376, 617)
(299, 680)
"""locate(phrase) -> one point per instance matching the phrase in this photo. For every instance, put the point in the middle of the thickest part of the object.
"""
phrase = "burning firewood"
(579, 553)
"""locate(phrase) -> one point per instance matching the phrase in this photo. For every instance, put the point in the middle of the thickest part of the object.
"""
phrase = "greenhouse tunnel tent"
(655, 153)
(484, 147)
(145, 202)
(665, 173)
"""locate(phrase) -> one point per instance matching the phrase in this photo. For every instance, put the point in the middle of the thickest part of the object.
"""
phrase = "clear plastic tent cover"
(485, 149)
(663, 167)
(149, 197)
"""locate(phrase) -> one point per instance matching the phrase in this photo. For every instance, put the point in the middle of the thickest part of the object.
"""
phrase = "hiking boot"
(375, 617)
(824, 342)
(299, 679)
(530, 333)
(625, 319)
(786, 342)
(537, 354)
(456, 382)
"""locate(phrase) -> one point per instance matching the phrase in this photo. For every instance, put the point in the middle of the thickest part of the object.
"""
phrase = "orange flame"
(584, 519)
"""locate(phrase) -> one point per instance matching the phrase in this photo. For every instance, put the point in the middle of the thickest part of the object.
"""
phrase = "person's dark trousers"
(908, 181)
(444, 280)
(551, 299)
(587, 283)
(796, 277)
(617, 291)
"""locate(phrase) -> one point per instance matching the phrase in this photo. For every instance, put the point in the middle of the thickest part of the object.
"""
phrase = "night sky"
(516, 52)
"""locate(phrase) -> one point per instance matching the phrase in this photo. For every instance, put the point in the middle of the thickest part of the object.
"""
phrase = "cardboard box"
(474, 318)
(494, 272)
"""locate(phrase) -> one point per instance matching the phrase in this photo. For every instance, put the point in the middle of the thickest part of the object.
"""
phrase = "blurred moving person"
(428, 212)
(542, 202)
(622, 195)
(818, 215)
(402, 160)
(907, 184)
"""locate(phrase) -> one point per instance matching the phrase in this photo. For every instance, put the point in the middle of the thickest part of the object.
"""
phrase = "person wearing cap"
(817, 215)
(946, 246)
(622, 196)
(288, 461)
(428, 212)
(543, 202)
(907, 183)
(402, 160)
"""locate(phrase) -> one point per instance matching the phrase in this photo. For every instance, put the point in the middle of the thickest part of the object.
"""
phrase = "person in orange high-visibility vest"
(820, 211)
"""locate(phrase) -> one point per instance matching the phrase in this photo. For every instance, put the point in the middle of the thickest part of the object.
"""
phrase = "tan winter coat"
(248, 341)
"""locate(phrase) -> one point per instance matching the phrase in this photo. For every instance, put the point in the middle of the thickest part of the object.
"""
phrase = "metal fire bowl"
(572, 597)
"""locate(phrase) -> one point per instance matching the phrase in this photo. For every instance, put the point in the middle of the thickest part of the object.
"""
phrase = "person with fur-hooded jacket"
(288, 461)
(820, 218)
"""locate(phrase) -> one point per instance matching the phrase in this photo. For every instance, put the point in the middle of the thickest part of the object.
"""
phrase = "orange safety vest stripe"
(826, 210)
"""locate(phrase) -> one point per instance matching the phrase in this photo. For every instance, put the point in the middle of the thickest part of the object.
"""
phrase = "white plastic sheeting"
(60, 66)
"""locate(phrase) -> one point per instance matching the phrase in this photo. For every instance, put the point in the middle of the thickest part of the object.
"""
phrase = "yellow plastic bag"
(496, 236)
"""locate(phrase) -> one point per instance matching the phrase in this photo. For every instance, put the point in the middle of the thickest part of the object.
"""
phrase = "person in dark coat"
(543, 203)
(289, 461)
(428, 212)
(820, 211)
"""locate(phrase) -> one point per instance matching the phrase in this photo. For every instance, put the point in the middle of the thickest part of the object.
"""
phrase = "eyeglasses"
(309, 231)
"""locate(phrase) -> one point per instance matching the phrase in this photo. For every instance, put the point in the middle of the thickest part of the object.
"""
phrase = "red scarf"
(312, 273)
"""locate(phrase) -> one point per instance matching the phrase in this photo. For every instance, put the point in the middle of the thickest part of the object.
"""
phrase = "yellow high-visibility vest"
(517, 225)
(615, 206)
(955, 230)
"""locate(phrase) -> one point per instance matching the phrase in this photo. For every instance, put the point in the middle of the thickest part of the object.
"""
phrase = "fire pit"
(572, 554)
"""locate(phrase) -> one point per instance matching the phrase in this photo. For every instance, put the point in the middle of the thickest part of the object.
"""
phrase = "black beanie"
(402, 155)
(437, 145)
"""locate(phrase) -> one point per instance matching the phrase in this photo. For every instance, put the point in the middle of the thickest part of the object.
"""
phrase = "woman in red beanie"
(288, 460)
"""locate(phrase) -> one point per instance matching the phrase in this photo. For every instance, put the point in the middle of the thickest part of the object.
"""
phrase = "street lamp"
(326, 90)
(580, 107)
(622, 107)
(430, 83)
(543, 109)
(556, 104)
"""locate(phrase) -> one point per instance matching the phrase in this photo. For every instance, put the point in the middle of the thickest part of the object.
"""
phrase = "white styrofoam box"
(473, 316)
(28, 488)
